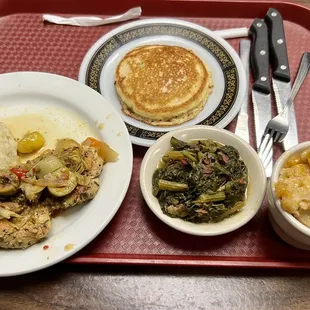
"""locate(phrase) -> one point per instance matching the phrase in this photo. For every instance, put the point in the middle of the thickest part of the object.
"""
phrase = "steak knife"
(261, 91)
(281, 72)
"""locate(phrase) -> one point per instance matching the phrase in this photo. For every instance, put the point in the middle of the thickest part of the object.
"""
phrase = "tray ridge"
(135, 235)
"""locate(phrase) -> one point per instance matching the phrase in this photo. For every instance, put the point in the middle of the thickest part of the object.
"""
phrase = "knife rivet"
(259, 24)
(273, 14)
(283, 67)
(262, 52)
(280, 41)
(263, 78)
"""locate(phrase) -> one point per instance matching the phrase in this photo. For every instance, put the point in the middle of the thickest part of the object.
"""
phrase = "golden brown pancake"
(162, 85)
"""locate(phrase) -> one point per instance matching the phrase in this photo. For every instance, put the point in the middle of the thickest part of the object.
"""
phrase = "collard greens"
(200, 181)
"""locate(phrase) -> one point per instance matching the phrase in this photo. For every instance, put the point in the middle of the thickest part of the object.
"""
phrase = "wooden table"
(115, 287)
(109, 288)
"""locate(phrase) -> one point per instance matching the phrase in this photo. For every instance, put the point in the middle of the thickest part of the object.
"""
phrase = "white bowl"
(255, 191)
(298, 235)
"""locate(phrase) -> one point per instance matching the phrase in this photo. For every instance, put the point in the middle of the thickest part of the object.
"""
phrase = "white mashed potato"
(8, 148)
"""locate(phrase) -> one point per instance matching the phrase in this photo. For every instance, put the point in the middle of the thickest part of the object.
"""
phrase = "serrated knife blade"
(262, 113)
(261, 91)
(242, 126)
(281, 72)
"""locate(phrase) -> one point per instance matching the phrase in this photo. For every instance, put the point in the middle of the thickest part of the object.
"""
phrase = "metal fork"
(278, 126)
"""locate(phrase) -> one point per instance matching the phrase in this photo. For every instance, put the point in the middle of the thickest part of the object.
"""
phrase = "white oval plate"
(99, 65)
(77, 110)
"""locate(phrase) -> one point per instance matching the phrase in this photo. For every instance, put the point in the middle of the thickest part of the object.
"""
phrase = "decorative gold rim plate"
(228, 62)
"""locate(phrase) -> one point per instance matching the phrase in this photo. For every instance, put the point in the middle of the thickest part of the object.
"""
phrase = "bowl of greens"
(202, 180)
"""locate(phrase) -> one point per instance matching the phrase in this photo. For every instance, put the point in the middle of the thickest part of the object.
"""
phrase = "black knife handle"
(277, 46)
(260, 56)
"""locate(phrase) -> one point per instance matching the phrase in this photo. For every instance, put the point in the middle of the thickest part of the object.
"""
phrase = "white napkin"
(86, 21)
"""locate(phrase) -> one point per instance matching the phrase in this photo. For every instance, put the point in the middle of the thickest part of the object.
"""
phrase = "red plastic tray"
(135, 235)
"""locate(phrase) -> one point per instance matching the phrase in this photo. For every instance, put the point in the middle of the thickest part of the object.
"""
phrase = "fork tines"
(264, 150)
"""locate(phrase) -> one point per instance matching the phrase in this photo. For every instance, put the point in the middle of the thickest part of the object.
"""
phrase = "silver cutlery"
(281, 72)
(278, 127)
(242, 126)
(86, 21)
(261, 91)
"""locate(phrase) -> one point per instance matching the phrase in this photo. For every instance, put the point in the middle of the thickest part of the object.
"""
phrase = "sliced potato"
(109, 155)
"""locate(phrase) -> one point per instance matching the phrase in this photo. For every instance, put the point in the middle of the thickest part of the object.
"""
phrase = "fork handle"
(303, 70)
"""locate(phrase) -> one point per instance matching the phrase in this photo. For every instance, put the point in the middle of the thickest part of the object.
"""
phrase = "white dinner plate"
(99, 64)
(75, 111)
